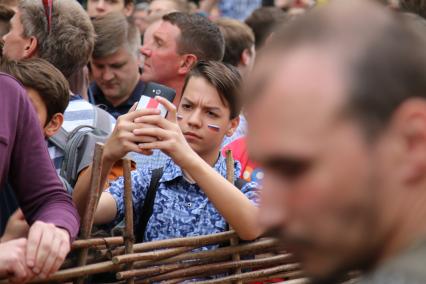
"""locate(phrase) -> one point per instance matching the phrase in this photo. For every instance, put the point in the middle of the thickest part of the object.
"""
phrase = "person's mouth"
(191, 136)
(110, 85)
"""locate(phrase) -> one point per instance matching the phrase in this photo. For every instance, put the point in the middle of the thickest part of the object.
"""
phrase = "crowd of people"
(322, 104)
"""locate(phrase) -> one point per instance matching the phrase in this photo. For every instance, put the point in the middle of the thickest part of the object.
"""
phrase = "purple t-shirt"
(25, 162)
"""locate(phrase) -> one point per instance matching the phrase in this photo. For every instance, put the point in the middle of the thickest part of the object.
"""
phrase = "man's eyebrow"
(187, 100)
(157, 37)
(212, 108)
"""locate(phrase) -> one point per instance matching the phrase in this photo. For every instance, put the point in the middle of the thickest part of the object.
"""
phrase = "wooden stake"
(89, 214)
(230, 173)
(129, 237)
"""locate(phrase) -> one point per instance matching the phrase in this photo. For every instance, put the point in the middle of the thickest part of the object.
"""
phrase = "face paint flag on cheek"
(213, 127)
(179, 117)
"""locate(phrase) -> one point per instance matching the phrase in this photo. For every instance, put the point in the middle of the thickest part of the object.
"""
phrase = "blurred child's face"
(51, 126)
(39, 106)
(97, 8)
(203, 118)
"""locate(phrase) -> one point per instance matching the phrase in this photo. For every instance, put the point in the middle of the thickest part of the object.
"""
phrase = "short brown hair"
(113, 31)
(238, 37)
(69, 43)
(224, 78)
(43, 77)
(414, 6)
(6, 14)
(199, 36)
(263, 21)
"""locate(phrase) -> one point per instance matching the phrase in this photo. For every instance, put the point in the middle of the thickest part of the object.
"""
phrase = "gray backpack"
(79, 144)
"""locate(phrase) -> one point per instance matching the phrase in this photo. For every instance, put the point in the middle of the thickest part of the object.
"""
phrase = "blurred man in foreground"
(337, 119)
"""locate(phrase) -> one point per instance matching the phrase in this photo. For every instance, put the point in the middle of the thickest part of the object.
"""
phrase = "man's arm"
(46, 205)
(121, 141)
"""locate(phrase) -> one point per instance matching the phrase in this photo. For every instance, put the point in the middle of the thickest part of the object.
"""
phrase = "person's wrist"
(108, 158)
(191, 160)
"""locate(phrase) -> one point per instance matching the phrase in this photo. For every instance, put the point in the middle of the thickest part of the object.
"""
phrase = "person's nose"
(100, 6)
(107, 74)
(195, 119)
(145, 50)
(273, 200)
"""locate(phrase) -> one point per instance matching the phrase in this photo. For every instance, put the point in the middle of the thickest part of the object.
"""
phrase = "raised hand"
(169, 136)
(122, 139)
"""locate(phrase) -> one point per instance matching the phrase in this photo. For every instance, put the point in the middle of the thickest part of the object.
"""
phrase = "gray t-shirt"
(407, 268)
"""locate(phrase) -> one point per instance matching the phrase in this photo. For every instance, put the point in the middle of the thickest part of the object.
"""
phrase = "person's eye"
(290, 169)
(294, 169)
(117, 66)
(212, 114)
(186, 106)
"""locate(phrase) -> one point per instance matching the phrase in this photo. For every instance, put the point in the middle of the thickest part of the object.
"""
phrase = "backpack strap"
(60, 139)
(102, 120)
(239, 183)
(148, 204)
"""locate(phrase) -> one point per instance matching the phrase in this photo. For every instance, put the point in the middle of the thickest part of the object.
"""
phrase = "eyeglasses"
(47, 4)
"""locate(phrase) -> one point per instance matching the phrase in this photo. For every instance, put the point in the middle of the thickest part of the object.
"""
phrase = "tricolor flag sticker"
(149, 102)
(213, 127)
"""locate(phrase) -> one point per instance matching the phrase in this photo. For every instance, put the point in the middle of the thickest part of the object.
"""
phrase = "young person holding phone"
(193, 197)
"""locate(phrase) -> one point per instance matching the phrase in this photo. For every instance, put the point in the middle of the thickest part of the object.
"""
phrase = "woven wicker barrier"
(173, 260)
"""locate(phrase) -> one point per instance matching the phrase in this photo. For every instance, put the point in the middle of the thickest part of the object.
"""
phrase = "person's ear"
(31, 47)
(128, 9)
(54, 125)
(410, 123)
(245, 57)
(233, 125)
(186, 63)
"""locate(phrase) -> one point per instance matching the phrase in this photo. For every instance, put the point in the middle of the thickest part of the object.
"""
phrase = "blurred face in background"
(96, 8)
(116, 75)
(158, 8)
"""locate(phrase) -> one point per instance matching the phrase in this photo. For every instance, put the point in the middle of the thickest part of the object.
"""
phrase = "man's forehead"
(305, 75)
(166, 29)
(208, 98)
(300, 98)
